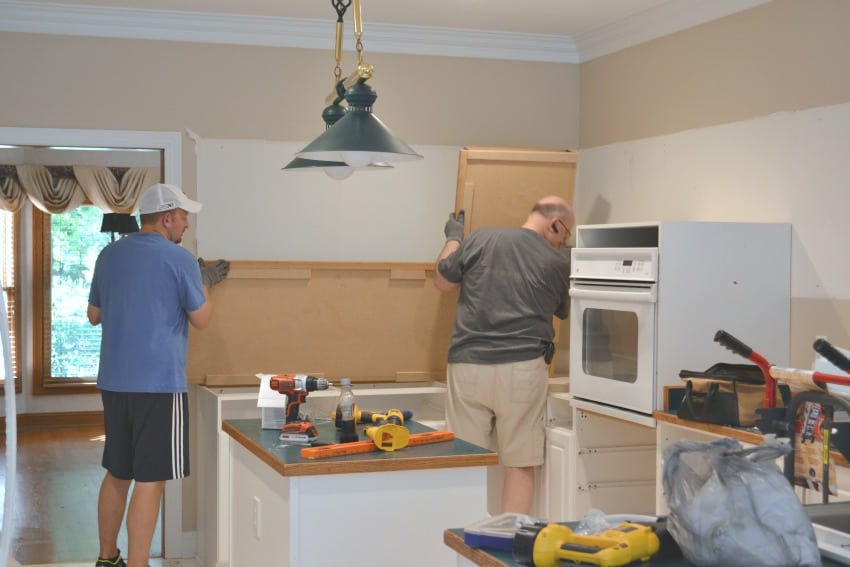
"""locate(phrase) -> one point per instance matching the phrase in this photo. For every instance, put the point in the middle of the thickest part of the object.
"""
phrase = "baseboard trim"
(56, 420)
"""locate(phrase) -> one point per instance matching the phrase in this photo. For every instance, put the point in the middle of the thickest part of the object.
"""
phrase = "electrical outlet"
(258, 515)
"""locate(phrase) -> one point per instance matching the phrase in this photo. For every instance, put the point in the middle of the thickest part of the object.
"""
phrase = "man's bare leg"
(518, 490)
(111, 503)
(141, 521)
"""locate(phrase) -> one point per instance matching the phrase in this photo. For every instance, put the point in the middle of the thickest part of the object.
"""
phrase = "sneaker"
(114, 562)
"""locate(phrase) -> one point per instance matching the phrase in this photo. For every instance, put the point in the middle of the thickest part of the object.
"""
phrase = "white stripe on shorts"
(176, 436)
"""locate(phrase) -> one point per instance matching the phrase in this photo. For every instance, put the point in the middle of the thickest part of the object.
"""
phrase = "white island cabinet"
(382, 508)
(216, 404)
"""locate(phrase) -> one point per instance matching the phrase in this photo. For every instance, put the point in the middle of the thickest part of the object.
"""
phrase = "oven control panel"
(625, 264)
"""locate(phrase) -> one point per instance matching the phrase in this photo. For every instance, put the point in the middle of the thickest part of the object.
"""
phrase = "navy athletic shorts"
(147, 435)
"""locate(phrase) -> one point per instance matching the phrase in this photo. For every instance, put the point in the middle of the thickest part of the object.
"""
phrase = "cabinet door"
(556, 482)
(498, 186)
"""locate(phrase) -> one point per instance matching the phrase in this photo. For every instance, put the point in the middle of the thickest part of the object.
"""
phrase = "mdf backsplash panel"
(370, 321)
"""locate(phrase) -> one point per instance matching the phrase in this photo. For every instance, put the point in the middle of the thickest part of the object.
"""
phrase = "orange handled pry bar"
(342, 449)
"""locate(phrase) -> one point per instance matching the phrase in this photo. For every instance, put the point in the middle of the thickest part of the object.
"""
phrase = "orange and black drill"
(296, 387)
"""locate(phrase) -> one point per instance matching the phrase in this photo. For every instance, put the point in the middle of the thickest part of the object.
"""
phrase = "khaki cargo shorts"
(500, 407)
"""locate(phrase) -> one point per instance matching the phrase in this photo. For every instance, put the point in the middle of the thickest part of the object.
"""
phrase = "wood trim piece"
(521, 154)
(305, 265)
(262, 270)
(269, 273)
(56, 420)
(402, 274)
(41, 294)
(417, 376)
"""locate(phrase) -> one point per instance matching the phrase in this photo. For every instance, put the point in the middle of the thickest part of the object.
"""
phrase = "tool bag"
(733, 507)
(725, 394)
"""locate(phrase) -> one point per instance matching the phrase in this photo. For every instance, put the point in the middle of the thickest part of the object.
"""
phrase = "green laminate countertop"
(286, 458)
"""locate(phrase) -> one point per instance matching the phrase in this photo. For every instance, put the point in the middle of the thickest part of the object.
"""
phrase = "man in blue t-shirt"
(145, 292)
(512, 282)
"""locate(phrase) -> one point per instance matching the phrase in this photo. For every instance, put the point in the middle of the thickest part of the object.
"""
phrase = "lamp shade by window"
(119, 222)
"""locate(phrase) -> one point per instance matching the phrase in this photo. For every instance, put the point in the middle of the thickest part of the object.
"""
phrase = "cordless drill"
(366, 416)
(296, 387)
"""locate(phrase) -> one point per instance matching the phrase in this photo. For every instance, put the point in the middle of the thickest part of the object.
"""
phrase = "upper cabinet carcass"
(498, 186)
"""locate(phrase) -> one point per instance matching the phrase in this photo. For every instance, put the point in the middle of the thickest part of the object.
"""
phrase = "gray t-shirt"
(512, 283)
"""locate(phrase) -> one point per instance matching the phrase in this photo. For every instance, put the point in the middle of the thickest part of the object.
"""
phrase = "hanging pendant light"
(358, 139)
(334, 169)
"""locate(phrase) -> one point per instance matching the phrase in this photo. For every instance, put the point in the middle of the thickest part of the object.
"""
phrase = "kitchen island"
(380, 508)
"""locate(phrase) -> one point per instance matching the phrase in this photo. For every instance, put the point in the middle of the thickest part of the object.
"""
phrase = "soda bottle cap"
(345, 381)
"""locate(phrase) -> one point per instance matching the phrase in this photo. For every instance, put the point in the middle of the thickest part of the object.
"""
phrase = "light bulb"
(357, 159)
(339, 172)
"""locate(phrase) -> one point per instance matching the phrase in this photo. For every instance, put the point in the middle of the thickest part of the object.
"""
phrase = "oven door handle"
(643, 295)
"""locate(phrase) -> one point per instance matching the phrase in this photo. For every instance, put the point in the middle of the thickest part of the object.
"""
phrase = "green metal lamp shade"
(334, 169)
(359, 138)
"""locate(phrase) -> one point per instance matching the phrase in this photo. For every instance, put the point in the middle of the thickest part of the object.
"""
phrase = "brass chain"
(340, 6)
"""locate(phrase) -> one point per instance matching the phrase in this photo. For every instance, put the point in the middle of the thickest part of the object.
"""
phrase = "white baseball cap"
(163, 197)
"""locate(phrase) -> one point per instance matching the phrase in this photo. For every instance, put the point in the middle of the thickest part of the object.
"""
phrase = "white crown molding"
(84, 20)
(75, 19)
(665, 19)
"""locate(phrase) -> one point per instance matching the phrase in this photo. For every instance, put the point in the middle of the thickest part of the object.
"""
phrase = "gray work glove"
(213, 272)
(454, 227)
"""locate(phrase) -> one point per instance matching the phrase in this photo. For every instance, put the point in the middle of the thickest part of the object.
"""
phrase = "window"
(9, 268)
(67, 347)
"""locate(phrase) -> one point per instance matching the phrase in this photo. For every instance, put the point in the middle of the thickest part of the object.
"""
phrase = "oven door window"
(610, 344)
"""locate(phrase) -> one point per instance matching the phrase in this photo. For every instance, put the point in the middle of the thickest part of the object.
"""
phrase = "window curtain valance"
(59, 189)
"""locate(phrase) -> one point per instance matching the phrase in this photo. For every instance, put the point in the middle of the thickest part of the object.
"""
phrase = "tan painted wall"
(266, 93)
(782, 56)
(227, 91)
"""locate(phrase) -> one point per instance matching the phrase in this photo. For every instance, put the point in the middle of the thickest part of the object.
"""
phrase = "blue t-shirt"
(145, 286)
(512, 283)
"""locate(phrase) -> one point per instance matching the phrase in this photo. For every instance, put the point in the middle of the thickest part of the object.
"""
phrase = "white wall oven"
(646, 300)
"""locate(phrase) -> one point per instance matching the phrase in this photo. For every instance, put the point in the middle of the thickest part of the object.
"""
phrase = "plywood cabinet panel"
(498, 186)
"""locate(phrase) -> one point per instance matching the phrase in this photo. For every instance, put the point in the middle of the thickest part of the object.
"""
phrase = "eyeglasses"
(563, 224)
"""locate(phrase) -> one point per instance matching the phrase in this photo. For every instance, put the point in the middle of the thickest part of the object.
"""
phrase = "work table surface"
(668, 556)
(286, 458)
